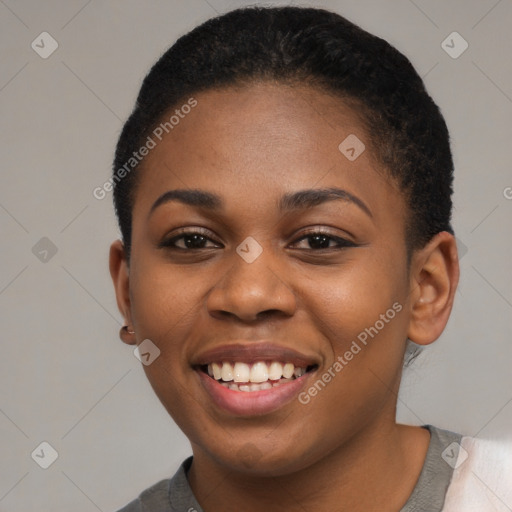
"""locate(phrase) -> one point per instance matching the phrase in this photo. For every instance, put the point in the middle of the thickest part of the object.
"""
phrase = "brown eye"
(319, 240)
(188, 240)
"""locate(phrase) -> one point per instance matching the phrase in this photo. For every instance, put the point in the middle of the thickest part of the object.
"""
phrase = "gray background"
(65, 376)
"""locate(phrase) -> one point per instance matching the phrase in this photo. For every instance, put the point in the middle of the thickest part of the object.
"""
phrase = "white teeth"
(260, 387)
(258, 376)
(282, 381)
(226, 372)
(253, 386)
(216, 370)
(288, 369)
(259, 372)
(275, 371)
(241, 372)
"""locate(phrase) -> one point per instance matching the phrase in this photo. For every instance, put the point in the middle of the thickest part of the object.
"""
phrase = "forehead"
(261, 140)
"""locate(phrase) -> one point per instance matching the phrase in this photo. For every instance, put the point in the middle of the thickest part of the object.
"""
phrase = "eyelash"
(342, 242)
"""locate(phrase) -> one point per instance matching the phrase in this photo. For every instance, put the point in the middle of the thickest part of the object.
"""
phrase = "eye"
(190, 239)
(321, 240)
(315, 240)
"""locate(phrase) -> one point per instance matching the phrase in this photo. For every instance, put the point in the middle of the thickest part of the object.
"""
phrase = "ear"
(120, 274)
(434, 279)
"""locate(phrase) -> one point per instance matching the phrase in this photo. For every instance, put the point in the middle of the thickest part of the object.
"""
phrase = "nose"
(252, 291)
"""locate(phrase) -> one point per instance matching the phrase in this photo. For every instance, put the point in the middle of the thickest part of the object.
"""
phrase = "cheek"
(361, 315)
(165, 301)
(355, 302)
(166, 305)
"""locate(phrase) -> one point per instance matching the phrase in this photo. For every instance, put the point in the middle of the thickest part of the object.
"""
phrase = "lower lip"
(252, 403)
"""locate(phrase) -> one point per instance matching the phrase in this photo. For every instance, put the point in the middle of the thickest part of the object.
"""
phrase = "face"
(288, 258)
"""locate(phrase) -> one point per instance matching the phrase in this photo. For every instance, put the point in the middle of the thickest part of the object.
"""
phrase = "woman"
(283, 188)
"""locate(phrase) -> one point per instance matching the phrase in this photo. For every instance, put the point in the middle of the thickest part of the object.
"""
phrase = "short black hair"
(306, 46)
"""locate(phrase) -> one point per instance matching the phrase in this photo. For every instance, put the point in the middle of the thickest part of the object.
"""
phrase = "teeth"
(275, 371)
(282, 381)
(259, 372)
(242, 372)
(227, 372)
(260, 375)
(253, 386)
(215, 369)
(299, 372)
(288, 369)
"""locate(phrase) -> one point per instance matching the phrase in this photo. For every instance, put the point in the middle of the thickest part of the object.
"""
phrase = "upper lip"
(252, 352)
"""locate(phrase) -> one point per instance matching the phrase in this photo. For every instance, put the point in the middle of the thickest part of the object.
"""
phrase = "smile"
(247, 379)
(254, 377)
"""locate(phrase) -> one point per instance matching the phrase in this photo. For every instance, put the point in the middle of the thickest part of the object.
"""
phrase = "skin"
(250, 145)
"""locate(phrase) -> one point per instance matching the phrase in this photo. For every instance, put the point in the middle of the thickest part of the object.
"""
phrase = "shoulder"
(155, 497)
(482, 476)
(169, 495)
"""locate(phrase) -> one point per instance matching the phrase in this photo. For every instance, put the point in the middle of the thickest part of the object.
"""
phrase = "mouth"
(253, 379)
(258, 376)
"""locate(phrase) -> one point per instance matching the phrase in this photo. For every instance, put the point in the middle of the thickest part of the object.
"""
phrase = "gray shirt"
(175, 494)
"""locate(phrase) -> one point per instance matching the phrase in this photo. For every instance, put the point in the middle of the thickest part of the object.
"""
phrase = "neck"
(381, 464)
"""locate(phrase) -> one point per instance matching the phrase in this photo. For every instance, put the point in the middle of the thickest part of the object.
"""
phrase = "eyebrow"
(312, 197)
(301, 199)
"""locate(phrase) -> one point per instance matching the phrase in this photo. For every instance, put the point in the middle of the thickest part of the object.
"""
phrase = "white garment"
(482, 478)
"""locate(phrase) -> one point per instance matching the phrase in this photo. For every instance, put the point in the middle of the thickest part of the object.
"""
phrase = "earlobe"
(119, 272)
(434, 279)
